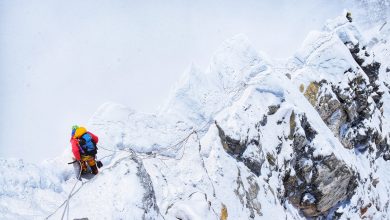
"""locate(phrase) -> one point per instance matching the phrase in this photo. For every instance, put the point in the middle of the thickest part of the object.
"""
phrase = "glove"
(99, 164)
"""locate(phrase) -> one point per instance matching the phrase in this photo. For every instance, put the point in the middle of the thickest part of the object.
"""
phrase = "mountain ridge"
(245, 139)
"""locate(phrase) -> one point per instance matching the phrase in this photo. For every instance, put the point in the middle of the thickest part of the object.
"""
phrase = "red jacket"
(76, 147)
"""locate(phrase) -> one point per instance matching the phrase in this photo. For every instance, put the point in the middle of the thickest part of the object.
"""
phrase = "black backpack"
(87, 146)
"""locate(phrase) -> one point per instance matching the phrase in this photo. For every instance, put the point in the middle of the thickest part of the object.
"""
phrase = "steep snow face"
(245, 139)
(193, 105)
(340, 78)
(23, 187)
(272, 151)
(123, 190)
(37, 192)
(120, 128)
(240, 163)
(276, 135)
(200, 95)
(346, 83)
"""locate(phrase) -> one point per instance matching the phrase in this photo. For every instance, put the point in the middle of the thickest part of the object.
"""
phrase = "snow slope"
(248, 138)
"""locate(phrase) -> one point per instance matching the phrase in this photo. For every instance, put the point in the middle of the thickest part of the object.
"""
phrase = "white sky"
(60, 60)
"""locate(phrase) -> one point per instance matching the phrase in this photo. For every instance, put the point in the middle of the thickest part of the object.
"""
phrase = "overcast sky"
(60, 60)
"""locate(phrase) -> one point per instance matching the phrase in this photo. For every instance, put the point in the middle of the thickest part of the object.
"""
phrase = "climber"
(349, 16)
(84, 150)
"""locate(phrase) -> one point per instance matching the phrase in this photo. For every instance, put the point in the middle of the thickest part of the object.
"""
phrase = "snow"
(173, 164)
(199, 95)
(309, 198)
(98, 199)
(325, 56)
(24, 186)
(195, 208)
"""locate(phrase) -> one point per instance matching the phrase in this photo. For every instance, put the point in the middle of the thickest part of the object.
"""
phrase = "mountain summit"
(248, 138)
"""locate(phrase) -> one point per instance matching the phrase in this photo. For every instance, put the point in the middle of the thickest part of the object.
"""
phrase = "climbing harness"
(179, 145)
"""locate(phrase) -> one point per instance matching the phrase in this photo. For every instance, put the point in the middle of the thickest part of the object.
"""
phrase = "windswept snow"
(232, 140)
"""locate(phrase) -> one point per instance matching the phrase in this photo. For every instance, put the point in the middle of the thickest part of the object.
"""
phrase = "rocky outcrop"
(248, 196)
(236, 149)
(348, 107)
(316, 183)
(270, 156)
(149, 204)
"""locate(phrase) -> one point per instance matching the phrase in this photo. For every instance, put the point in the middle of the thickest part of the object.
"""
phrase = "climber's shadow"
(87, 176)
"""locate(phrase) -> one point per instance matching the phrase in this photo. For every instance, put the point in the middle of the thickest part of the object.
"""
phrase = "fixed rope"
(70, 196)
(68, 199)
(182, 143)
(178, 146)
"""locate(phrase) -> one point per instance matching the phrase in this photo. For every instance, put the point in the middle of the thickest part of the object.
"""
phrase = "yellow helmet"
(79, 132)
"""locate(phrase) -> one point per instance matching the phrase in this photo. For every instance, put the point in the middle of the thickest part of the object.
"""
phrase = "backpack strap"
(80, 147)
(87, 146)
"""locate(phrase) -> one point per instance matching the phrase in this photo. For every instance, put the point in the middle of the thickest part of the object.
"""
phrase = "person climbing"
(84, 150)
(349, 16)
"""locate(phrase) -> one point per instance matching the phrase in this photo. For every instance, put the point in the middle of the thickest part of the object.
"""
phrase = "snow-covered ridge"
(245, 139)
(200, 95)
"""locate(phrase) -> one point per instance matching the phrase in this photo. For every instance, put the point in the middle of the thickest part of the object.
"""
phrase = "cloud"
(61, 59)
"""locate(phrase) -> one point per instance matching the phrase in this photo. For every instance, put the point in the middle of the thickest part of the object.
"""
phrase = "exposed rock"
(320, 183)
(346, 109)
(263, 122)
(236, 148)
(310, 133)
(248, 197)
(334, 182)
(364, 209)
(301, 88)
(327, 105)
(375, 182)
(311, 93)
(292, 125)
(251, 196)
(308, 204)
(271, 159)
(149, 198)
(331, 182)
(272, 109)
(354, 49)
(233, 147)
(336, 120)
(224, 213)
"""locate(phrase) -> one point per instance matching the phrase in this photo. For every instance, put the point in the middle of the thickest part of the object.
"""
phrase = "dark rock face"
(149, 199)
(236, 149)
(248, 196)
(233, 147)
(316, 184)
(313, 184)
(347, 109)
(272, 109)
(370, 69)
(335, 181)
(371, 135)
